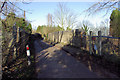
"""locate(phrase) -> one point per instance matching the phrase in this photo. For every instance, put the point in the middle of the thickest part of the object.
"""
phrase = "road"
(52, 62)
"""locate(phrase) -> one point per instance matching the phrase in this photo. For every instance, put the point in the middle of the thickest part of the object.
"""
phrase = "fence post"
(14, 42)
(90, 42)
(17, 40)
(84, 39)
(99, 42)
(18, 36)
(53, 37)
(119, 46)
(80, 37)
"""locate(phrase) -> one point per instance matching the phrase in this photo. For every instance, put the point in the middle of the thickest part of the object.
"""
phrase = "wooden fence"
(94, 44)
(14, 44)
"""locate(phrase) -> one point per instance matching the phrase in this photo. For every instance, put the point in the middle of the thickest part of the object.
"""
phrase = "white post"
(28, 54)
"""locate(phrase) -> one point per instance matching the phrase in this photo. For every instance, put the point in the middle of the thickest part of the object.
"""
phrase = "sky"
(39, 11)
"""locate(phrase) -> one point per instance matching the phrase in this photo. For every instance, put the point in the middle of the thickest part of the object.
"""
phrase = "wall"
(73, 37)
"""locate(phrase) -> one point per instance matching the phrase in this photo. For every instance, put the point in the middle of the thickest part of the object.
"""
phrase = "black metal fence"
(104, 44)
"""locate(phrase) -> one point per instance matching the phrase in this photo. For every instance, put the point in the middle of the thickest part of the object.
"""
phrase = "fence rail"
(108, 45)
(108, 37)
(94, 44)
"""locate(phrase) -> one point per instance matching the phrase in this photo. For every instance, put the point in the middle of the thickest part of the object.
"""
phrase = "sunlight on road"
(89, 66)
(64, 66)
(44, 66)
(38, 70)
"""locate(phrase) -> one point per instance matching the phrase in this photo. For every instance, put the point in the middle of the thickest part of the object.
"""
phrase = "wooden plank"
(90, 42)
(99, 42)
(18, 36)
(14, 41)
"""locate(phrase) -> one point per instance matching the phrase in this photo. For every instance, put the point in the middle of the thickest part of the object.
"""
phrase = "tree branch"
(100, 6)
(3, 6)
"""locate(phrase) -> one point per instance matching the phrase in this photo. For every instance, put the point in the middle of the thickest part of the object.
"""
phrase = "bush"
(44, 30)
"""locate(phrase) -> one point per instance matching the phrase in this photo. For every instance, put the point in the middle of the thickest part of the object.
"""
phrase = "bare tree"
(64, 17)
(104, 27)
(71, 20)
(6, 6)
(49, 20)
(87, 23)
(2, 5)
(106, 5)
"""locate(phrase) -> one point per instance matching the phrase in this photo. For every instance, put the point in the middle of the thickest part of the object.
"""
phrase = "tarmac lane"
(52, 62)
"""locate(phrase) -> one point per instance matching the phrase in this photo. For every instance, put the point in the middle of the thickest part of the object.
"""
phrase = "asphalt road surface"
(52, 62)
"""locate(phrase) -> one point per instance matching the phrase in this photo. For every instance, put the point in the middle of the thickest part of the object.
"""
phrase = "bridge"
(56, 60)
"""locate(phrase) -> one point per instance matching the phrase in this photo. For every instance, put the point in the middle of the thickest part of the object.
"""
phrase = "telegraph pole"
(24, 14)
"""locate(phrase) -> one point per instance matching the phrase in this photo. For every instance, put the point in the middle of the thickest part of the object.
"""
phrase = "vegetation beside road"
(45, 30)
(20, 68)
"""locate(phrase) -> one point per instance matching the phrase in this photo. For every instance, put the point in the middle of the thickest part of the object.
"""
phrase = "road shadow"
(36, 46)
(56, 63)
(50, 63)
(78, 48)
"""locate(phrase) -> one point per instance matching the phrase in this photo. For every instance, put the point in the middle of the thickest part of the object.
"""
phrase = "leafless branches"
(2, 5)
(64, 17)
(49, 20)
(105, 5)
(8, 6)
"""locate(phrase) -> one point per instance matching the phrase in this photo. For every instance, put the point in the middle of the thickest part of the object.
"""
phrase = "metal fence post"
(99, 42)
